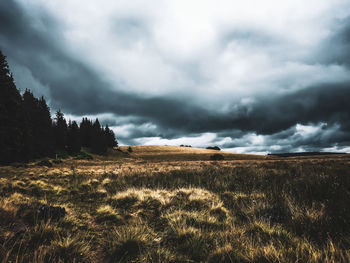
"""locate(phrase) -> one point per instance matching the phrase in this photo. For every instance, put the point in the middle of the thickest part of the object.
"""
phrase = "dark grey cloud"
(324, 103)
(336, 48)
(275, 119)
(321, 136)
(35, 43)
(74, 87)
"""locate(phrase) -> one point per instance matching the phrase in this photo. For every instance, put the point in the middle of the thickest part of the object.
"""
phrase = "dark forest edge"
(28, 132)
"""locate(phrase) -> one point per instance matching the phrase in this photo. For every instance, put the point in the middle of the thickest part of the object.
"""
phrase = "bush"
(217, 157)
(214, 148)
(53, 213)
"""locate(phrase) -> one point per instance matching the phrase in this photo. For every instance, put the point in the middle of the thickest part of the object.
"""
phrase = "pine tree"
(98, 139)
(46, 143)
(73, 138)
(110, 137)
(60, 131)
(31, 127)
(85, 132)
(37, 130)
(10, 111)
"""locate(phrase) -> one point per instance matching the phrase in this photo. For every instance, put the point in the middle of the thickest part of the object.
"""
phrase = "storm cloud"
(272, 80)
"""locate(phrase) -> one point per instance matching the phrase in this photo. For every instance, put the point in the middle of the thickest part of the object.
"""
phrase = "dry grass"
(176, 153)
(171, 204)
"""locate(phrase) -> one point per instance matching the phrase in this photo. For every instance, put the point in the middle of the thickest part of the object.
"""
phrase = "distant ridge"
(302, 154)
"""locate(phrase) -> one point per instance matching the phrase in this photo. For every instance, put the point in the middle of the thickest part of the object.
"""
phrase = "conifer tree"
(99, 142)
(10, 119)
(31, 125)
(37, 131)
(46, 130)
(85, 132)
(60, 131)
(73, 138)
(110, 137)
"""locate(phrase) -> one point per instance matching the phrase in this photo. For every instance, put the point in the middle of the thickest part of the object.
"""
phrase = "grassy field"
(173, 204)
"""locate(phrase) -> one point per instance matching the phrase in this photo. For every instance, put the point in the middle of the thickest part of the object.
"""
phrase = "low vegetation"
(216, 148)
(127, 208)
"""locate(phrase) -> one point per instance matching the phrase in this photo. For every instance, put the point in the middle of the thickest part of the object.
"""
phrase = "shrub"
(214, 148)
(54, 213)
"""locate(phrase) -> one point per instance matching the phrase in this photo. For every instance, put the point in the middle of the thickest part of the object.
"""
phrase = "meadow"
(174, 204)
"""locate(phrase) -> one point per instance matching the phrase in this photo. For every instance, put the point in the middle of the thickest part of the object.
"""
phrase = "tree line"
(27, 130)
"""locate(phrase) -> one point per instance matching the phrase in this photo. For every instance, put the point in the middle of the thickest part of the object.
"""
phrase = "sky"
(248, 76)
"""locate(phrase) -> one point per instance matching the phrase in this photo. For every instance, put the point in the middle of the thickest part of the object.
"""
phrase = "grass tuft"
(106, 214)
(128, 243)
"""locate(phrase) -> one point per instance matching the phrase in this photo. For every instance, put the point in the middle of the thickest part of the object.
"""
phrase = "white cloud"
(336, 149)
(307, 130)
(176, 47)
(198, 141)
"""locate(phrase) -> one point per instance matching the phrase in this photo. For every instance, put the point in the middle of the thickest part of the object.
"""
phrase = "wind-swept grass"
(273, 210)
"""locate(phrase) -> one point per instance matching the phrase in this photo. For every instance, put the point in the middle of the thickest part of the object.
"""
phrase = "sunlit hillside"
(177, 153)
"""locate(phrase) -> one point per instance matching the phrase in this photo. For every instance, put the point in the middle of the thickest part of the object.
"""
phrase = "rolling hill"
(178, 153)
